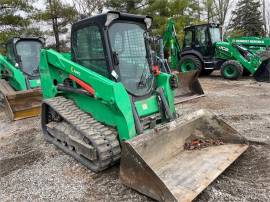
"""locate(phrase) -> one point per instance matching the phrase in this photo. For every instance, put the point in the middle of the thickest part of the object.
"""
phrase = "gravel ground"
(33, 170)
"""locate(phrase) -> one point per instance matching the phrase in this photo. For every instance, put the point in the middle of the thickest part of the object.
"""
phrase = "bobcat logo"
(72, 69)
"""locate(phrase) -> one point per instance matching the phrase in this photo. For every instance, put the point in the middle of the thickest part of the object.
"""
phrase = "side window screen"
(188, 39)
(88, 50)
(10, 53)
(200, 38)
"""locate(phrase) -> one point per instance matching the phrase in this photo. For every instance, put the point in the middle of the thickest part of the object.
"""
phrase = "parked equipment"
(169, 60)
(253, 44)
(204, 50)
(20, 92)
(108, 93)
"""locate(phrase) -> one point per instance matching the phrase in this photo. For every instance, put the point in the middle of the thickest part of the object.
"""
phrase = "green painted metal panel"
(163, 81)
(35, 83)
(147, 106)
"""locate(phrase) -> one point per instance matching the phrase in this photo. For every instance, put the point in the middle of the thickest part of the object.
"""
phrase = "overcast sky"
(41, 5)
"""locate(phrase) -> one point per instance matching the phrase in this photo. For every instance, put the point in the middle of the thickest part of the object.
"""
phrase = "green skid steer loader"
(108, 102)
(20, 92)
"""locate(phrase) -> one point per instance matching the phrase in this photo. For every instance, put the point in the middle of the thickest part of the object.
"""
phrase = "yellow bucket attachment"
(189, 87)
(178, 160)
(20, 104)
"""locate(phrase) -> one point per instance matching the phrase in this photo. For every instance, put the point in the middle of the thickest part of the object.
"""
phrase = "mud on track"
(33, 170)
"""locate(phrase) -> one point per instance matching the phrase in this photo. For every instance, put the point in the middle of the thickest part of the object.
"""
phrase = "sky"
(41, 5)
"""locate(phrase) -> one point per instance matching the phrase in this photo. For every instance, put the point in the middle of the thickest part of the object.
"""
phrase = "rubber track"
(102, 138)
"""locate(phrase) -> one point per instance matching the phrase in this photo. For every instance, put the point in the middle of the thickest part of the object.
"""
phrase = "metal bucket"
(189, 87)
(173, 163)
(20, 104)
(263, 72)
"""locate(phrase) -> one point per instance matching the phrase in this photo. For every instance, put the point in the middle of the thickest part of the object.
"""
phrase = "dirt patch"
(18, 162)
(19, 152)
(114, 191)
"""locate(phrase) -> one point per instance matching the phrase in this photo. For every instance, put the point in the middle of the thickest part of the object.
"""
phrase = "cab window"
(188, 39)
(201, 38)
(88, 49)
(10, 53)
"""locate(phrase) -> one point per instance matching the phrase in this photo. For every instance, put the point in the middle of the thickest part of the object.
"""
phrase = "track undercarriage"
(78, 134)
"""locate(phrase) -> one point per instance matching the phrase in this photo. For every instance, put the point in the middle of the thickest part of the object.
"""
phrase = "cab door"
(202, 42)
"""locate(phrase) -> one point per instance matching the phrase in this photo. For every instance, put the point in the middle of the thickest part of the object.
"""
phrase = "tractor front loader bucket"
(263, 72)
(180, 159)
(189, 87)
(20, 104)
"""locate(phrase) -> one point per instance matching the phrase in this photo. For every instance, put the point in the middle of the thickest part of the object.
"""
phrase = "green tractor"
(107, 101)
(20, 92)
(204, 50)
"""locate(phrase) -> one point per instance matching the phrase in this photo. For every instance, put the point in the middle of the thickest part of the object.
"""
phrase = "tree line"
(53, 18)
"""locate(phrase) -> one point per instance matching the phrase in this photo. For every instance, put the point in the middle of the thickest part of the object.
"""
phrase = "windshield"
(128, 42)
(29, 52)
(215, 34)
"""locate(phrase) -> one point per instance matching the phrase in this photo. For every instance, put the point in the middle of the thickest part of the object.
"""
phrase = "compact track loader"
(108, 102)
(20, 92)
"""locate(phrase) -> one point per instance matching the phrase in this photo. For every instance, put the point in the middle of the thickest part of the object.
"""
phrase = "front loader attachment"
(189, 87)
(20, 104)
(180, 159)
(263, 72)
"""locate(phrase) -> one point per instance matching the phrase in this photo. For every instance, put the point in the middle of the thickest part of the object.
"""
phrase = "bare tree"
(209, 8)
(266, 16)
(60, 16)
(89, 7)
(221, 8)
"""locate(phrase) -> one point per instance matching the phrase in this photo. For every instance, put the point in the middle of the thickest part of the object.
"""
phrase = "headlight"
(110, 17)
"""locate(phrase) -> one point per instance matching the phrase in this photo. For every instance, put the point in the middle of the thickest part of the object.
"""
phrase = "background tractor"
(20, 92)
(107, 101)
(204, 50)
(167, 55)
